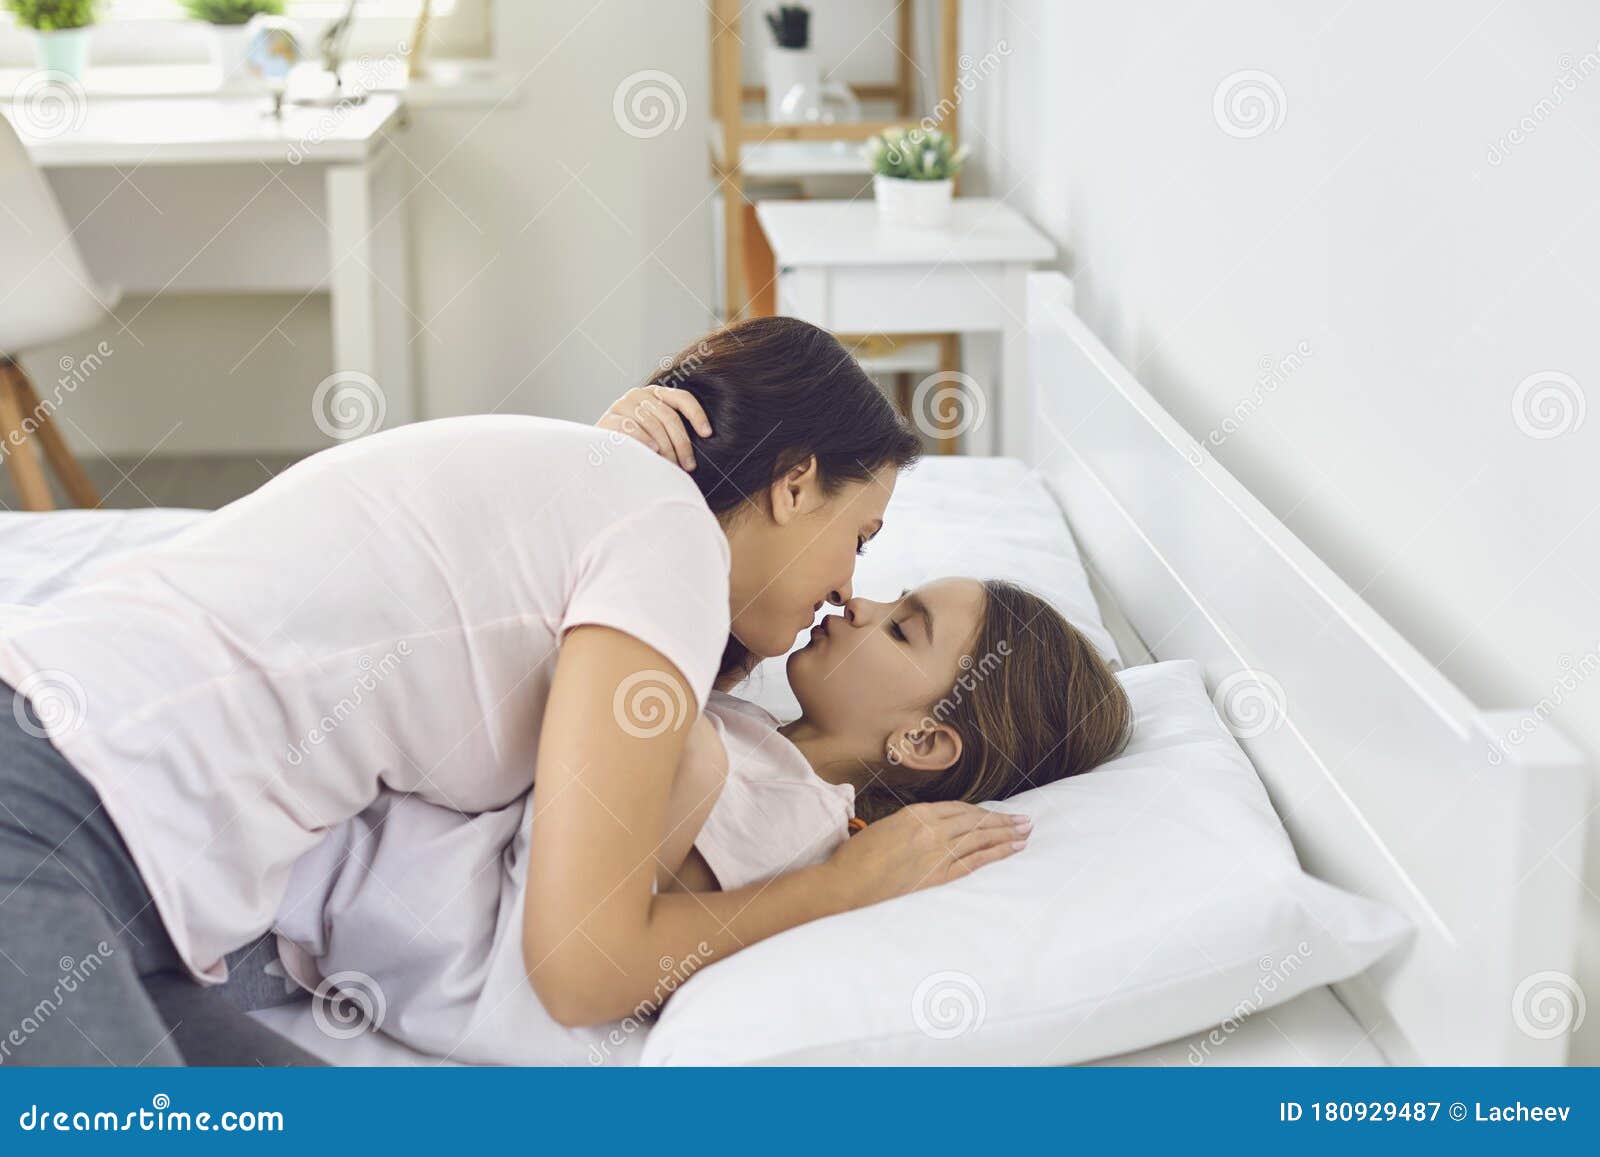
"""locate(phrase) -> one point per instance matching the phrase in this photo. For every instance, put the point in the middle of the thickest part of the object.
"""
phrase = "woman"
(440, 609)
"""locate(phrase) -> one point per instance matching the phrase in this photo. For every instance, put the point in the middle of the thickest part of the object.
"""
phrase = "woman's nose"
(840, 596)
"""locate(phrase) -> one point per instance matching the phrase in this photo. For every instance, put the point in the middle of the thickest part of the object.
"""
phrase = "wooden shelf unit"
(729, 92)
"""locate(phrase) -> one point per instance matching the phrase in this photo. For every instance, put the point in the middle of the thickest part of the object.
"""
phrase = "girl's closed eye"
(894, 629)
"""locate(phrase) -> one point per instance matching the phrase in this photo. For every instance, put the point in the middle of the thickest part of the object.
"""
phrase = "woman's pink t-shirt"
(385, 614)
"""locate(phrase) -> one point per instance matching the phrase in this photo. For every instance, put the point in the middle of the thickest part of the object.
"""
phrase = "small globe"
(273, 51)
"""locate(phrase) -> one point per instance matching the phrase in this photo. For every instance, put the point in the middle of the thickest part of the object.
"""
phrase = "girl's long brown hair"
(1035, 703)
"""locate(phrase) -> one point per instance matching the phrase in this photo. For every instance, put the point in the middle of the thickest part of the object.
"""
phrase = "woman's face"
(798, 553)
(878, 667)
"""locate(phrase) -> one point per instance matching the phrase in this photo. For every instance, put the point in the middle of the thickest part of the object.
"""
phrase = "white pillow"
(1159, 896)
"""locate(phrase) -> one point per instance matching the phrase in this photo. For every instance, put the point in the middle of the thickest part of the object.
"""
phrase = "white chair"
(46, 294)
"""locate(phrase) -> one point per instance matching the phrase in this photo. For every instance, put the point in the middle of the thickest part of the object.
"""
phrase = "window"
(156, 32)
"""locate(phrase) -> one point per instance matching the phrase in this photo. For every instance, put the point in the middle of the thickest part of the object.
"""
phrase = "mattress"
(940, 522)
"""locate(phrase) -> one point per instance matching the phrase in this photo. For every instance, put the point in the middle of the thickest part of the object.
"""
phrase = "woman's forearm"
(617, 969)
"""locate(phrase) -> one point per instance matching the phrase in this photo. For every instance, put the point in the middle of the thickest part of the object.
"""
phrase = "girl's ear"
(798, 492)
(927, 747)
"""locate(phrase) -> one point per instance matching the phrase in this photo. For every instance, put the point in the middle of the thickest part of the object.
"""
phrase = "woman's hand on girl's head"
(655, 416)
(923, 845)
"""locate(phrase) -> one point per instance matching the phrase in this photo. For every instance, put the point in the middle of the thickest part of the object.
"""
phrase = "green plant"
(791, 25)
(915, 154)
(232, 11)
(53, 15)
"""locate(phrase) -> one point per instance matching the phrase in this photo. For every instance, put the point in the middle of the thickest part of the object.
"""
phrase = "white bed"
(1387, 778)
(1030, 544)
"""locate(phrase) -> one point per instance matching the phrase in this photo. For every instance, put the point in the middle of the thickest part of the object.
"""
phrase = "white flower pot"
(228, 45)
(915, 204)
(65, 51)
(787, 67)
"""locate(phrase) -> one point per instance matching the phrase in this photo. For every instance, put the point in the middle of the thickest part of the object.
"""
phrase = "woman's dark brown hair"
(778, 391)
(1035, 703)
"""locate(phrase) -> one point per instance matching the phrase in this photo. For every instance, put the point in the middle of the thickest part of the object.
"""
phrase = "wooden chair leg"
(22, 459)
(949, 363)
(78, 487)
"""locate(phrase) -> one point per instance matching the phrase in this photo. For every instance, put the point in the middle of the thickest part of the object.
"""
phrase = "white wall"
(556, 257)
(1426, 279)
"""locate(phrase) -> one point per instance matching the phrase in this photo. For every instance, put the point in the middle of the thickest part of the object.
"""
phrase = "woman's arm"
(598, 942)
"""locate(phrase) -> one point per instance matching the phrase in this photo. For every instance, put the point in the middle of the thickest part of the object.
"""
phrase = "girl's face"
(877, 668)
(799, 553)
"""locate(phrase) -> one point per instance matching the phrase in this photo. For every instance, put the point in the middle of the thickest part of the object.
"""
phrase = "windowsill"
(446, 83)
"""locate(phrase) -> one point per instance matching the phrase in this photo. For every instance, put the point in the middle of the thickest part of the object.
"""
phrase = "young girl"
(957, 691)
(960, 690)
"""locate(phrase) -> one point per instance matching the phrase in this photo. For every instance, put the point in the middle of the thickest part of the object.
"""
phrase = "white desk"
(840, 269)
(213, 194)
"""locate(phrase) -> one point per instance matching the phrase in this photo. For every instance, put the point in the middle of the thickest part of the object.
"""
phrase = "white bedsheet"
(1314, 1029)
(945, 520)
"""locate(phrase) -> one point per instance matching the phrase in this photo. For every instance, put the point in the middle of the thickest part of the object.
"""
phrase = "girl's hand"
(923, 845)
(654, 416)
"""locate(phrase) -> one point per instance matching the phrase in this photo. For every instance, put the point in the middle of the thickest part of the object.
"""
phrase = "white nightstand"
(840, 269)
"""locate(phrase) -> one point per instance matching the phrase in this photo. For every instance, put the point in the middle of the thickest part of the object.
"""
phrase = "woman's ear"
(926, 747)
(798, 492)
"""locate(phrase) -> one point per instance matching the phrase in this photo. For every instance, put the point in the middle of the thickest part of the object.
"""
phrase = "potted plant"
(61, 32)
(913, 172)
(790, 58)
(230, 32)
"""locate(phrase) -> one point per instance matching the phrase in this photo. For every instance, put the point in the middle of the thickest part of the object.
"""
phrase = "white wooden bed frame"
(1390, 782)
